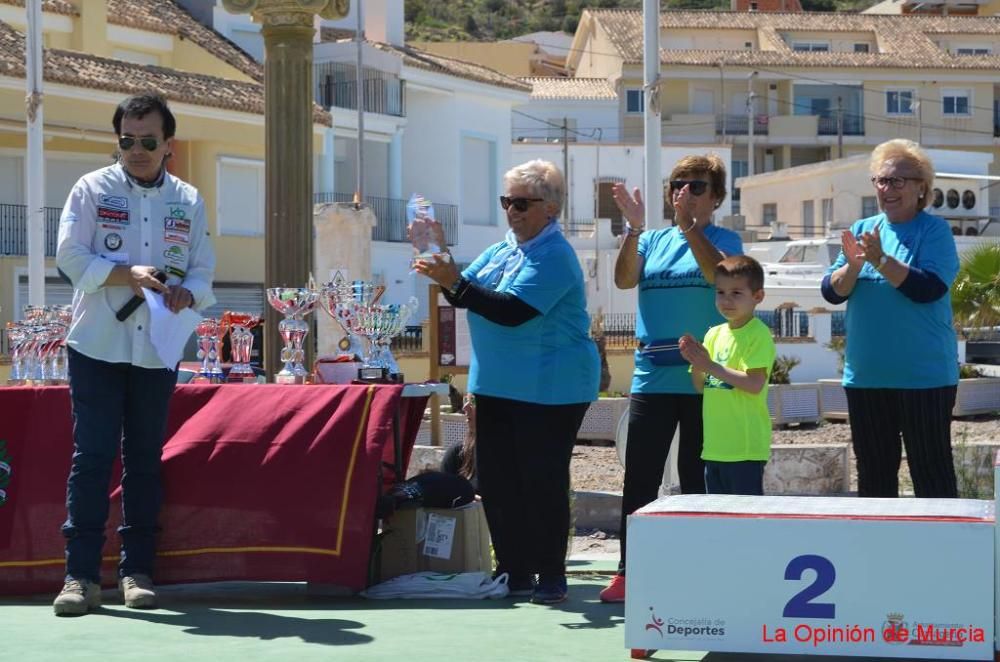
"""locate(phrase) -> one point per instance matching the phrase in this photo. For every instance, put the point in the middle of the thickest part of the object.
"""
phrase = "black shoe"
(521, 585)
(551, 590)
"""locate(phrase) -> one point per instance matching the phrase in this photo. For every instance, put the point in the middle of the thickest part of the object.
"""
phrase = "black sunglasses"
(695, 186)
(520, 204)
(125, 143)
(893, 182)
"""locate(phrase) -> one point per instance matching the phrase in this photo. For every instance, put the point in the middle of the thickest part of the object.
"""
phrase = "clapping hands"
(694, 352)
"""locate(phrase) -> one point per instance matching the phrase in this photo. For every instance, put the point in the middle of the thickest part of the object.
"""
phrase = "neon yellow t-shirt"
(737, 423)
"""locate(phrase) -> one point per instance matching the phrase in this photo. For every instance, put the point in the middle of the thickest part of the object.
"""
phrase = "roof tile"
(588, 89)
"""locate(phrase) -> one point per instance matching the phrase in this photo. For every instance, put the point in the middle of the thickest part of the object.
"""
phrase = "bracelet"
(457, 287)
(633, 232)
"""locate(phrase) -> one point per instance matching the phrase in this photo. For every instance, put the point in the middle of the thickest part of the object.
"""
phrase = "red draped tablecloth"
(261, 482)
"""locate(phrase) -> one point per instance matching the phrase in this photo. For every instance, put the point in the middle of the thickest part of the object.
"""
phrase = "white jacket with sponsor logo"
(109, 220)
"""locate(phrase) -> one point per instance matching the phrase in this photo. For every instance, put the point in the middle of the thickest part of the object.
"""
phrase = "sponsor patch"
(113, 241)
(119, 202)
(175, 255)
(113, 215)
(178, 224)
(174, 271)
(173, 237)
(177, 212)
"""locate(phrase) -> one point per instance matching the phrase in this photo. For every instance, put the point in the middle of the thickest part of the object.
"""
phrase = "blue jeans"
(109, 399)
(734, 477)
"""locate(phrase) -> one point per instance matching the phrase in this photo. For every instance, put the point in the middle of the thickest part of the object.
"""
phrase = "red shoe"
(615, 591)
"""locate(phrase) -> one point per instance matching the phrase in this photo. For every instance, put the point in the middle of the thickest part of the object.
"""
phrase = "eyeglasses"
(125, 143)
(520, 204)
(695, 186)
(893, 182)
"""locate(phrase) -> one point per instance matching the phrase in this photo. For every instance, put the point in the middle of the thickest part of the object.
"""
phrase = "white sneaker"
(77, 597)
(138, 591)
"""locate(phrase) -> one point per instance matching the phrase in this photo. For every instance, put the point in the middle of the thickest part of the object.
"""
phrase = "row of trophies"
(38, 350)
(355, 306)
(38, 346)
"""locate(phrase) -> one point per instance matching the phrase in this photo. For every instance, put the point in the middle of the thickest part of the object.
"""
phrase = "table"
(261, 482)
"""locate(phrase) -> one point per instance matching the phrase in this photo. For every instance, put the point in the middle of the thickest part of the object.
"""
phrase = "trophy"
(388, 321)
(294, 303)
(337, 298)
(241, 344)
(209, 350)
(426, 234)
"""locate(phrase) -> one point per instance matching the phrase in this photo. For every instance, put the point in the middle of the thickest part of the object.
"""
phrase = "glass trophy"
(241, 344)
(426, 234)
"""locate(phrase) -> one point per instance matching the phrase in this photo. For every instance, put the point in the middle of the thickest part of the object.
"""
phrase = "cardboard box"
(436, 540)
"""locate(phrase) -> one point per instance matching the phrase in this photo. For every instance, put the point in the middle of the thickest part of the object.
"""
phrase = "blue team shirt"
(674, 299)
(551, 358)
(893, 341)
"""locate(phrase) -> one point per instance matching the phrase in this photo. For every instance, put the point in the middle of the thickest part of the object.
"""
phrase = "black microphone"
(136, 300)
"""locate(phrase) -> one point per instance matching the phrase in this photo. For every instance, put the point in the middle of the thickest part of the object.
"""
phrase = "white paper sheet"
(169, 331)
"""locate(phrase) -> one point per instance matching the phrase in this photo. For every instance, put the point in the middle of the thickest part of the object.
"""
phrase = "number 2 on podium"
(801, 605)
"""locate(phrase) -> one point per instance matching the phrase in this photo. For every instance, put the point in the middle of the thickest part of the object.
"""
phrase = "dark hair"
(736, 266)
(709, 165)
(139, 106)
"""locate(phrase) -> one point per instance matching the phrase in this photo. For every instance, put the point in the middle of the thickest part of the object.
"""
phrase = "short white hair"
(543, 178)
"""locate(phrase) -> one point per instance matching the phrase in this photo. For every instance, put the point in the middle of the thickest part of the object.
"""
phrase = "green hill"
(489, 20)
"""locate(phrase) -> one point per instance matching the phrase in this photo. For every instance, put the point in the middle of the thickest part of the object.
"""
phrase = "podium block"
(887, 578)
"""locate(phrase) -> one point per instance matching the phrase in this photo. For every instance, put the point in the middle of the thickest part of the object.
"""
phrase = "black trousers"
(879, 416)
(652, 421)
(523, 452)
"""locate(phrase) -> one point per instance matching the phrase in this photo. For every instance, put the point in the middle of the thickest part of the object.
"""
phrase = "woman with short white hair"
(901, 359)
(534, 372)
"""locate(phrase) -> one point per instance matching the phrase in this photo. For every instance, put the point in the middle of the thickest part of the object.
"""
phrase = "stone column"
(287, 28)
(343, 243)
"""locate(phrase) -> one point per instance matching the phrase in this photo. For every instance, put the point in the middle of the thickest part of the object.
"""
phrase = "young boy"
(732, 369)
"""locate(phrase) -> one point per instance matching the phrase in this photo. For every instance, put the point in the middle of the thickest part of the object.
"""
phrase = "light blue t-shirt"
(674, 299)
(893, 341)
(551, 358)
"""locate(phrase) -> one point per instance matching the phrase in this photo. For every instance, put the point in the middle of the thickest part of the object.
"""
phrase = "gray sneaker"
(77, 597)
(138, 591)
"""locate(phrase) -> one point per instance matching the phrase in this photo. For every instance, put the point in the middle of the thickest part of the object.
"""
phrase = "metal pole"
(565, 146)
(359, 189)
(840, 128)
(597, 211)
(750, 95)
(652, 141)
(35, 161)
(722, 101)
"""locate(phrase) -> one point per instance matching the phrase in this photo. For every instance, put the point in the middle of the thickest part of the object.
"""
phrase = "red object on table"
(261, 482)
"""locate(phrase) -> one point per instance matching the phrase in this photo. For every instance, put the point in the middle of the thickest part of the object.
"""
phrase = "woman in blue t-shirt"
(901, 361)
(534, 372)
(674, 269)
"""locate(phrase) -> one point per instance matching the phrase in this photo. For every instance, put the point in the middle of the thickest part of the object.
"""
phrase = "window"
(956, 102)
(241, 197)
(769, 213)
(861, 48)
(478, 167)
(811, 47)
(973, 51)
(748, 45)
(808, 217)
(869, 206)
(826, 208)
(633, 101)
(899, 102)
(606, 207)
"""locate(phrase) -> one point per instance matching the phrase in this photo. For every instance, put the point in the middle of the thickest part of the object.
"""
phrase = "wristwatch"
(882, 261)
(632, 232)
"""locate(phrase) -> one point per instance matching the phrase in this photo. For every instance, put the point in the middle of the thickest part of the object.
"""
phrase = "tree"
(975, 294)
(471, 26)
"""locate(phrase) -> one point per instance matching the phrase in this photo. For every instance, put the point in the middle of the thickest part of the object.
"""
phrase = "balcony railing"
(854, 125)
(390, 215)
(14, 229)
(619, 328)
(336, 86)
(736, 125)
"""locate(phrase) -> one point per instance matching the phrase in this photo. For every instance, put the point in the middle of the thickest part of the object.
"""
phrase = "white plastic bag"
(465, 585)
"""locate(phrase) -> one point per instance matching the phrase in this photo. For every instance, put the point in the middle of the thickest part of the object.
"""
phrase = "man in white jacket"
(121, 228)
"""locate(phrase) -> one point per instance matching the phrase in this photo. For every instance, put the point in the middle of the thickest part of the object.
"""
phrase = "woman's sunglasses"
(125, 143)
(519, 204)
(695, 186)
